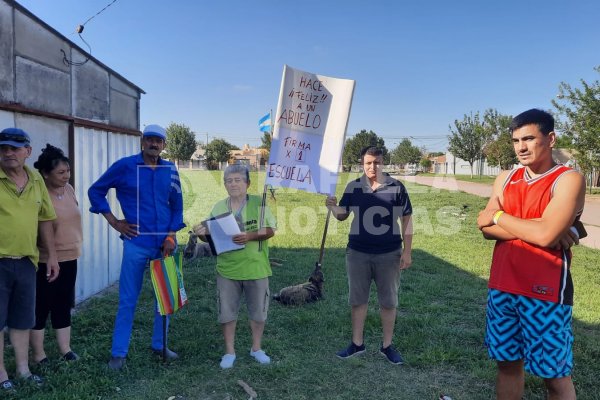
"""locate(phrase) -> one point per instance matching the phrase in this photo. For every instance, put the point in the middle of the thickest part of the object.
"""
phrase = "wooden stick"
(322, 251)
(247, 389)
(164, 327)
(262, 215)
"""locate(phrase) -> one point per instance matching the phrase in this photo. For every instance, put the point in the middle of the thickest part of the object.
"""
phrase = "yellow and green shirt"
(21, 213)
(248, 263)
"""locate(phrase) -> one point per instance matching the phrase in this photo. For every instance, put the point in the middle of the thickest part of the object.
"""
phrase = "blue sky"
(216, 66)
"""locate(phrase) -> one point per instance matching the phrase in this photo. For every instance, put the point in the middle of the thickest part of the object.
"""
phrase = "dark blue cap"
(14, 137)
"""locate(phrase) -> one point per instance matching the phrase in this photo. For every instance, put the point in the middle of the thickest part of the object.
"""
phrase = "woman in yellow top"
(57, 298)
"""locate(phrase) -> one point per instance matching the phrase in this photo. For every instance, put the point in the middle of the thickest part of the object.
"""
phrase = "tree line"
(577, 114)
(487, 136)
(181, 145)
(478, 136)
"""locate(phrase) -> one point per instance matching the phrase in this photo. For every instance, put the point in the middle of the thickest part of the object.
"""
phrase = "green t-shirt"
(20, 215)
(248, 263)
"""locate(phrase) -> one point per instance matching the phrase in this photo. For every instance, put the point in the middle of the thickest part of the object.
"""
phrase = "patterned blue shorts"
(537, 331)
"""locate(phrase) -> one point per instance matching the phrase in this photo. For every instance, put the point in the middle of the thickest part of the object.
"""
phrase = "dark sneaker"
(392, 355)
(171, 355)
(116, 363)
(70, 356)
(351, 351)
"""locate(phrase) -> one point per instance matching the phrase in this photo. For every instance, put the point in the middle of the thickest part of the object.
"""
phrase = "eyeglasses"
(13, 138)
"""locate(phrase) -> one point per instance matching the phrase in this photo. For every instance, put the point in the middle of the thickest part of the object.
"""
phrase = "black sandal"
(70, 356)
(43, 362)
(8, 386)
(34, 379)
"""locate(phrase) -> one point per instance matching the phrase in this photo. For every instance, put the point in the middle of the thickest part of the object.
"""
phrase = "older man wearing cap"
(25, 210)
(148, 190)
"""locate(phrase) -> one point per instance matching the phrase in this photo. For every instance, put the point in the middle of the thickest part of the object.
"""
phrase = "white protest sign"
(310, 128)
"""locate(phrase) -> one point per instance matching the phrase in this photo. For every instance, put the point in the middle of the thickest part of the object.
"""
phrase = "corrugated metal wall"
(100, 262)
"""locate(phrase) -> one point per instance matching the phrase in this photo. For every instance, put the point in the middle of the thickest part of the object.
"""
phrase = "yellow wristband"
(497, 215)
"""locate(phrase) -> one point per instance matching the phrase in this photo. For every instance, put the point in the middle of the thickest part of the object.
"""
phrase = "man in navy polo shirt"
(148, 190)
(375, 249)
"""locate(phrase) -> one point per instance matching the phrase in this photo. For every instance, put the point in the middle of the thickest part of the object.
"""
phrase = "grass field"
(439, 328)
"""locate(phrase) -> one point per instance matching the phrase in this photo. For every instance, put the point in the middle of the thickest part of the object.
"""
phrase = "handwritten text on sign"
(306, 106)
(295, 152)
(310, 127)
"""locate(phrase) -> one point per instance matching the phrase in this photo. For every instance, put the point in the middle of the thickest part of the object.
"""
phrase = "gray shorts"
(229, 295)
(384, 269)
(17, 293)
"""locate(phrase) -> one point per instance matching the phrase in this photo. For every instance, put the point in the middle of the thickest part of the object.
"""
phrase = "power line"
(95, 15)
(79, 30)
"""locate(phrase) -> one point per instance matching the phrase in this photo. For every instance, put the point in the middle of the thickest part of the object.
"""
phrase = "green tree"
(181, 142)
(436, 154)
(425, 164)
(217, 151)
(499, 151)
(468, 139)
(354, 145)
(266, 144)
(563, 142)
(265, 141)
(579, 120)
(406, 153)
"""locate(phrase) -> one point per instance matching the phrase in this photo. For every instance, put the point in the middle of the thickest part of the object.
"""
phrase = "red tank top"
(523, 268)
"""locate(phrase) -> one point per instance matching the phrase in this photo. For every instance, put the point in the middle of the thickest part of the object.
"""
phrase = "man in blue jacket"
(149, 192)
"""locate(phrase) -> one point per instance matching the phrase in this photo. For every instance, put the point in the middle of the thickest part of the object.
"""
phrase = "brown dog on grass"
(307, 292)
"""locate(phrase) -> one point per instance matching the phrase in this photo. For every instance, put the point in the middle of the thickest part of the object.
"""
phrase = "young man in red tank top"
(530, 294)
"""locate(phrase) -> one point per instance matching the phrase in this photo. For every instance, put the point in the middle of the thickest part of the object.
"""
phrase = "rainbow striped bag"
(167, 280)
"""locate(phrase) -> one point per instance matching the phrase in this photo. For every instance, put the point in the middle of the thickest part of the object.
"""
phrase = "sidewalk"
(591, 211)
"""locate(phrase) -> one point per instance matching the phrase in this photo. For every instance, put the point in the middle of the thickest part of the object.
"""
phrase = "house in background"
(253, 157)
(84, 107)
(438, 165)
(197, 161)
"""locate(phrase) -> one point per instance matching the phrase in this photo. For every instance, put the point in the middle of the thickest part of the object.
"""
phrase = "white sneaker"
(227, 361)
(260, 356)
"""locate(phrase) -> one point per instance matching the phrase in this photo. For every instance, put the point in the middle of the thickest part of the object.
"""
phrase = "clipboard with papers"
(221, 230)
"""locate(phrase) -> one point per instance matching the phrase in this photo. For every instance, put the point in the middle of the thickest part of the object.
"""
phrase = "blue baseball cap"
(15, 137)
(156, 131)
